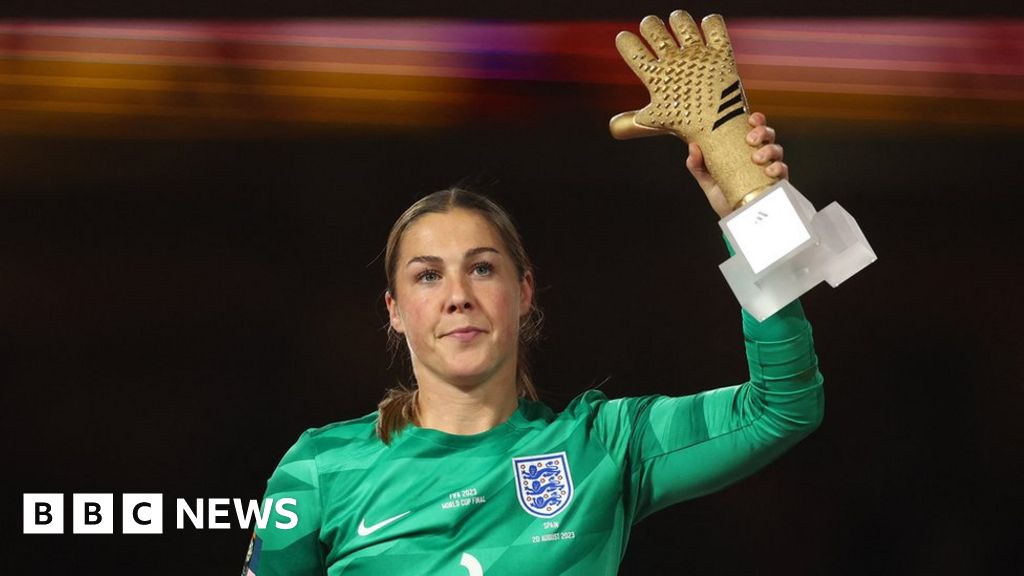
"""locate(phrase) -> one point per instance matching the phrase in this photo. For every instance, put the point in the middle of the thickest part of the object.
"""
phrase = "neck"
(464, 411)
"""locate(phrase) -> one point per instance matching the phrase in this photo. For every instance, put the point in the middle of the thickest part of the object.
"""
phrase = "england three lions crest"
(543, 483)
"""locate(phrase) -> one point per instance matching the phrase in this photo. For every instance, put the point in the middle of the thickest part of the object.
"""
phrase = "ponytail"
(396, 411)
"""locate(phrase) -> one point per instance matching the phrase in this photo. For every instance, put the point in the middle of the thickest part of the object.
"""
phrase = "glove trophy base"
(783, 248)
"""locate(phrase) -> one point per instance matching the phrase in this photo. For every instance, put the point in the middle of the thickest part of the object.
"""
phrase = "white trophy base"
(784, 248)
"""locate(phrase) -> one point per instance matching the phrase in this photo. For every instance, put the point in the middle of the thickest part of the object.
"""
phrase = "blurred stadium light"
(190, 79)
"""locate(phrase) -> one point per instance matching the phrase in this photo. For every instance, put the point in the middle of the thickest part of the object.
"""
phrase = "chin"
(468, 376)
(470, 373)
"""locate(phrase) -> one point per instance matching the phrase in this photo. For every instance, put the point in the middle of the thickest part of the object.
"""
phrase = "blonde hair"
(398, 407)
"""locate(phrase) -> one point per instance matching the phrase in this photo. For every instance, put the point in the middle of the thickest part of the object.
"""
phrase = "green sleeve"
(677, 448)
(284, 546)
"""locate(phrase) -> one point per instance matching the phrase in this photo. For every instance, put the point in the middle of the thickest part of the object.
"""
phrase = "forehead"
(448, 234)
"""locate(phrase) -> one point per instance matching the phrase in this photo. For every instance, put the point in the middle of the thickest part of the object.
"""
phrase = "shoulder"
(362, 429)
(337, 440)
(586, 402)
(612, 421)
(595, 403)
(539, 413)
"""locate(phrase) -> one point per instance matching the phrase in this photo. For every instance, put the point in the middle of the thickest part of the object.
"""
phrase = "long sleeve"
(291, 545)
(677, 448)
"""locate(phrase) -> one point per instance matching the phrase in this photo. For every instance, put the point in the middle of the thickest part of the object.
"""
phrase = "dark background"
(174, 313)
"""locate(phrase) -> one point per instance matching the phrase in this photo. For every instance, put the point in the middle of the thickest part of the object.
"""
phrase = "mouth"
(463, 334)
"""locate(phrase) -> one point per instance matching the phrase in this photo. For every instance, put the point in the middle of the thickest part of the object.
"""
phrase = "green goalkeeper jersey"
(542, 493)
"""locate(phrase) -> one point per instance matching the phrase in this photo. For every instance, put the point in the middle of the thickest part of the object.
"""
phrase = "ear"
(525, 293)
(393, 316)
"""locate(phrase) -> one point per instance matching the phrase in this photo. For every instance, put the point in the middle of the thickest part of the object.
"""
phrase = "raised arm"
(677, 448)
(687, 447)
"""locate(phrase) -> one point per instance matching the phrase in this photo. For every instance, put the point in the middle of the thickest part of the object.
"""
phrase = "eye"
(428, 276)
(483, 269)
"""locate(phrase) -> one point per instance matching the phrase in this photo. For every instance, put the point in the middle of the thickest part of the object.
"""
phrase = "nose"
(460, 297)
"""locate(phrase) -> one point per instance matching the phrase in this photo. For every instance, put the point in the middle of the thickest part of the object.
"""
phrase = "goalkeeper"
(466, 472)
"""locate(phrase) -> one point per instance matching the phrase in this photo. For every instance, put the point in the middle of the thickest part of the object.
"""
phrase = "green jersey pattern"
(446, 505)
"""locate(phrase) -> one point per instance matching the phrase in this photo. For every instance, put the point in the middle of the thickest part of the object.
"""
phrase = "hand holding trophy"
(696, 95)
(783, 246)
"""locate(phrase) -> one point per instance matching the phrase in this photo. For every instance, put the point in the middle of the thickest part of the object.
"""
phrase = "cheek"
(417, 317)
(504, 305)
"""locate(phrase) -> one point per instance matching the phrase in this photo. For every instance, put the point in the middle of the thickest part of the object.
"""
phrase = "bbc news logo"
(143, 513)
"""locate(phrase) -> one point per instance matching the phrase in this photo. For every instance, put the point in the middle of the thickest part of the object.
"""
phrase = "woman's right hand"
(766, 153)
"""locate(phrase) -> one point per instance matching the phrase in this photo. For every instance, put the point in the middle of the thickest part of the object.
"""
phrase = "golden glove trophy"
(783, 246)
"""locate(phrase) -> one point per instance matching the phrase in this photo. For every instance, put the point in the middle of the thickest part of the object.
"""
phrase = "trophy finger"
(625, 127)
(761, 134)
(714, 32)
(777, 170)
(767, 154)
(685, 28)
(634, 52)
(654, 31)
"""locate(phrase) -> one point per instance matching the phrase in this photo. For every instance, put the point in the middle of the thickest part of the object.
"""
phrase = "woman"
(468, 474)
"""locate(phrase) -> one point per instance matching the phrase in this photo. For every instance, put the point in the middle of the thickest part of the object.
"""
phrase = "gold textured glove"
(696, 95)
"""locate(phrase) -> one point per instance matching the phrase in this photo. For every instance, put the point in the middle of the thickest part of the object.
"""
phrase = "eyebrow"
(437, 259)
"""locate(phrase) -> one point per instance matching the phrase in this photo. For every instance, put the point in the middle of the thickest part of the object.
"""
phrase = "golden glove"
(696, 95)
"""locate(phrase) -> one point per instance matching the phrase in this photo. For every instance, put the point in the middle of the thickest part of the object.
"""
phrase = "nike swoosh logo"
(365, 530)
